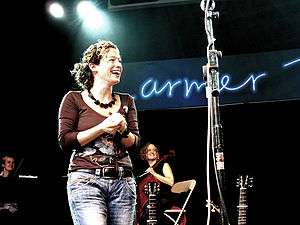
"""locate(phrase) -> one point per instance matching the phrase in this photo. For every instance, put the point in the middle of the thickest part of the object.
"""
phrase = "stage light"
(56, 10)
(93, 19)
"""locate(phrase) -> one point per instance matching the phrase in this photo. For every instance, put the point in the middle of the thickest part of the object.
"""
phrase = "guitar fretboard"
(242, 207)
(152, 206)
(151, 189)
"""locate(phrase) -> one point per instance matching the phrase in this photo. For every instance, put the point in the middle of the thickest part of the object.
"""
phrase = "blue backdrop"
(179, 83)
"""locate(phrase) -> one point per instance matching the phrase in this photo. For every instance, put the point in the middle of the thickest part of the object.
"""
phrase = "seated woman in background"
(8, 166)
(157, 181)
(8, 192)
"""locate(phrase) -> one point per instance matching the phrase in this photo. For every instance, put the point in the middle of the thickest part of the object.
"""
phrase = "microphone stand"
(211, 78)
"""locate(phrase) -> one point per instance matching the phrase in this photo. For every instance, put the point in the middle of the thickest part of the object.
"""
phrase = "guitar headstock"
(152, 188)
(244, 181)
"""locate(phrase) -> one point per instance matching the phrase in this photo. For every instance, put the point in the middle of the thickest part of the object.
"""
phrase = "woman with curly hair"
(159, 178)
(100, 126)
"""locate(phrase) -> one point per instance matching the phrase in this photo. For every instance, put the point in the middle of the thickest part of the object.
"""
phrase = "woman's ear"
(92, 66)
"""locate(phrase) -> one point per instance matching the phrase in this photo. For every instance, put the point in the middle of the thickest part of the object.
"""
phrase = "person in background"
(158, 172)
(8, 192)
(100, 127)
(8, 166)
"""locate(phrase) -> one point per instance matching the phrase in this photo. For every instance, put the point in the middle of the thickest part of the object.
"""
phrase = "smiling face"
(8, 164)
(152, 153)
(110, 67)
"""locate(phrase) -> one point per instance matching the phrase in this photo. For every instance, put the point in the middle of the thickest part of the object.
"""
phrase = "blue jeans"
(97, 201)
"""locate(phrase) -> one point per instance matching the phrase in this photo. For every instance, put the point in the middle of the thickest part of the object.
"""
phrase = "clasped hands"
(114, 123)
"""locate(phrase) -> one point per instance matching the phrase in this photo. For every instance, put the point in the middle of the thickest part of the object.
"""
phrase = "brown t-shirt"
(75, 116)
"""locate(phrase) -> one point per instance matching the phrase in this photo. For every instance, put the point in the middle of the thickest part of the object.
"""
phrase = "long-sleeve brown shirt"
(75, 116)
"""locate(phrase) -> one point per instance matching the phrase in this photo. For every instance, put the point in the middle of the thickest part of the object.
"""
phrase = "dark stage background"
(260, 139)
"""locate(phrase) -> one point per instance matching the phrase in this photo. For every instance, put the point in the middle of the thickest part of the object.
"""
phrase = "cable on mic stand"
(214, 134)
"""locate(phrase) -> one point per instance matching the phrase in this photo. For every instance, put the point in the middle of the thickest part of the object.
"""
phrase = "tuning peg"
(251, 182)
(238, 181)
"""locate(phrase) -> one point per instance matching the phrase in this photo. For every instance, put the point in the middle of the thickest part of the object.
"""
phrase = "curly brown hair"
(144, 150)
(93, 54)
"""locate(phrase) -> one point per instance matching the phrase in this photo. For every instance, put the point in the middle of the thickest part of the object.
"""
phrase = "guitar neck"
(242, 207)
(152, 189)
(152, 209)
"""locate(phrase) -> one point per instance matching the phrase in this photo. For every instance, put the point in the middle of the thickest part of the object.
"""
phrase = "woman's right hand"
(110, 125)
(113, 123)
